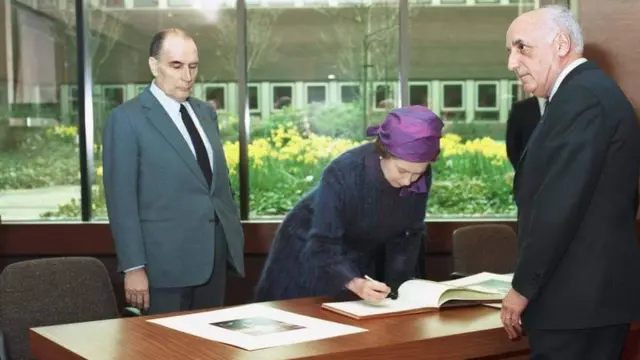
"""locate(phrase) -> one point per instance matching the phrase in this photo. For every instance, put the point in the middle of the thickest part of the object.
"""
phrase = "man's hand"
(512, 307)
(369, 290)
(136, 288)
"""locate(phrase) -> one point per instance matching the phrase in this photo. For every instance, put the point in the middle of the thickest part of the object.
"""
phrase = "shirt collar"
(574, 64)
(542, 102)
(166, 101)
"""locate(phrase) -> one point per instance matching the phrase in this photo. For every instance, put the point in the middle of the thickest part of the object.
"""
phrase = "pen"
(392, 294)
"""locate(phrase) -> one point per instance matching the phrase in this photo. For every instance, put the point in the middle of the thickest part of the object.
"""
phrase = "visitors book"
(419, 295)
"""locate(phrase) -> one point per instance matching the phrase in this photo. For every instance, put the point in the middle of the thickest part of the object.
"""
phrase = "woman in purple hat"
(365, 217)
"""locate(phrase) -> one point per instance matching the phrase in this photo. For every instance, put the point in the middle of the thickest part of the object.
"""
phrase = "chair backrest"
(487, 247)
(51, 291)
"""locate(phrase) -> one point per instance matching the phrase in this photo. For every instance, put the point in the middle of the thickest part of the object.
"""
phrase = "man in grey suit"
(173, 218)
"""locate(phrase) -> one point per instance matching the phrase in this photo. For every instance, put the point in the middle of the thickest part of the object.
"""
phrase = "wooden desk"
(450, 334)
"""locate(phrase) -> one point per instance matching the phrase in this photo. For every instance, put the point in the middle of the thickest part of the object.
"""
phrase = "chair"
(51, 291)
(488, 247)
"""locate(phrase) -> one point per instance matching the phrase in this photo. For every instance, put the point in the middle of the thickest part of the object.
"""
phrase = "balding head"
(173, 60)
(541, 43)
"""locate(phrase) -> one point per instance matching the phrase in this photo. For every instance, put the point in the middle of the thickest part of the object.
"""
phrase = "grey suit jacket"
(161, 210)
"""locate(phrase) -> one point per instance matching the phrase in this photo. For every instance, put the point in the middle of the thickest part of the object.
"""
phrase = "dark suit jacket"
(575, 188)
(162, 212)
(523, 118)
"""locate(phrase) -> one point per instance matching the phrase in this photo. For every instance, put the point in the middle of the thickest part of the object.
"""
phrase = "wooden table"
(463, 333)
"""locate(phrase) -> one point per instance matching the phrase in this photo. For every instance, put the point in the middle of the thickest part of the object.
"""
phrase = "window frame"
(104, 88)
(343, 84)
(225, 94)
(429, 86)
(463, 99)
(514, 97)
(476, 105)
(258, 87)
(272, 100)
(320, 84)
(373, 104)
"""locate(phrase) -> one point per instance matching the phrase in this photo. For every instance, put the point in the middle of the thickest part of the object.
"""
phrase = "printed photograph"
(256, 326)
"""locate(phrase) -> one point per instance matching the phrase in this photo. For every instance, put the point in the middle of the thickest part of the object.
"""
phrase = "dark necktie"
(198, 145)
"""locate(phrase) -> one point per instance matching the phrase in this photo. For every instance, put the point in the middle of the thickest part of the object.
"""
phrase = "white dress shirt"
(542, 102)
(564, 74)
(172, 107)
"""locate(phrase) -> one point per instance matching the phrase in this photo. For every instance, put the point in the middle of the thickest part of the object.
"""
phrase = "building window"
(487, 101)
(254, 98)
(419, 94)
(383, 97)
(316, 93)
(349, 93)
(215, 95)
(453, 2)
(453, 101)
(281, 95)
(514, 93)
(112, 96)
(487, 1)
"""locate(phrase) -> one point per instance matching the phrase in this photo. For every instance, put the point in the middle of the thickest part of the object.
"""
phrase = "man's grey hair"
(562, 20)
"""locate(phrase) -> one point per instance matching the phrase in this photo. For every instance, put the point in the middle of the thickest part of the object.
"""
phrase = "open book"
(418, 295)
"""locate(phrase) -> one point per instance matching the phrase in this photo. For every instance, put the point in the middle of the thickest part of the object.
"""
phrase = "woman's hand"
(369, 290)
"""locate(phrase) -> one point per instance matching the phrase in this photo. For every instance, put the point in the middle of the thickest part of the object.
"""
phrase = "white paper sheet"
(255, 326)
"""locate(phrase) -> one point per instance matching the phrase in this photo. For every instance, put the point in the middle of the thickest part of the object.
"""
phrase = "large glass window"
(319, 72)
(120, 72)
(38, 153)
(327, 72)
(463, 77)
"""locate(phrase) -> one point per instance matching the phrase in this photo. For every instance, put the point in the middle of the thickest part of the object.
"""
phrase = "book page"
(484, 282)
(422, 293)
(362, 308)
(412, 295)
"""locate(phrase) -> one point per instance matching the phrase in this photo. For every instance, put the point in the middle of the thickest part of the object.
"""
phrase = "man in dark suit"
(523, 118)
(575, 286)
(171, 212)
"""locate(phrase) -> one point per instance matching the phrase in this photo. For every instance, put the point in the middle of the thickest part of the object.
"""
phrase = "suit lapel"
(162, 121)
(573, 73)
(208, 127)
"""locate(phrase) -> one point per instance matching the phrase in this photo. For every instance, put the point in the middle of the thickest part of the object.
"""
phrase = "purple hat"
(412, 134)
